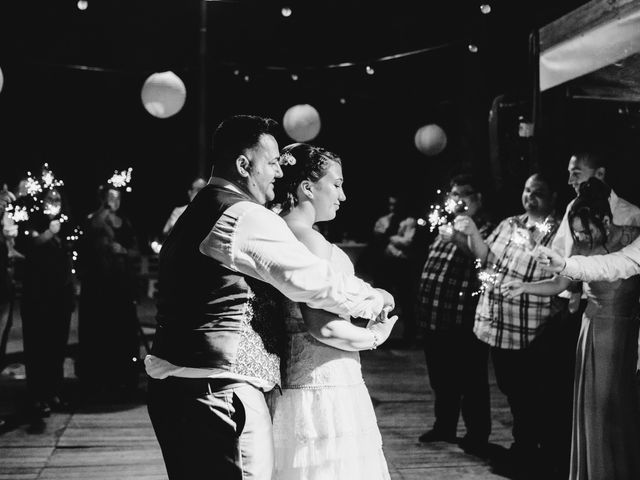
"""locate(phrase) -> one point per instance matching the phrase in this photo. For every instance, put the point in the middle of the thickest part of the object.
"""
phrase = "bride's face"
(328, 193)
(588, 237)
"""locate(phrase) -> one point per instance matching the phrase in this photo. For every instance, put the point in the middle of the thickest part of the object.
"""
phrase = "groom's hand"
(389, 302)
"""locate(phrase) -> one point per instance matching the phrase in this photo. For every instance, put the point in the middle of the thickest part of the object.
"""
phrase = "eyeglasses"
(462, 194)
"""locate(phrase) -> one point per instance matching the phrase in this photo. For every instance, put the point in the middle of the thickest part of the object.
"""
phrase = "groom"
(215, 351)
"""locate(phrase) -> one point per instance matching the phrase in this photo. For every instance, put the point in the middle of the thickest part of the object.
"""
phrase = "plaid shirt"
(446, 297)
(513, 323)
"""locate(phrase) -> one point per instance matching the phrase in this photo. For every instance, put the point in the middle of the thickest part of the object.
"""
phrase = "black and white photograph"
(319, 240)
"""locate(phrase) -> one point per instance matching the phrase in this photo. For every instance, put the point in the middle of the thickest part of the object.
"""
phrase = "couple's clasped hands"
(383, 324)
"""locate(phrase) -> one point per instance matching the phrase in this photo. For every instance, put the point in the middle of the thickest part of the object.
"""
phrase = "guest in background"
(197, 185)
(399, 273)
(514, 327)
(447, 298)
(47, 302)
(108, 323)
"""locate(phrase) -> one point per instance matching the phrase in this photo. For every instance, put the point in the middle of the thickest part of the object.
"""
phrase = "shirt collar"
(226, 184)
(613, 200)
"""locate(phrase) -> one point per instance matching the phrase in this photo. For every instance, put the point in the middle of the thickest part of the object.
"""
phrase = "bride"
(324, 424)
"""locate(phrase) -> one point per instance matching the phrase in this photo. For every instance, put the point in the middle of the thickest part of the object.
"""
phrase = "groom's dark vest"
(210, 316)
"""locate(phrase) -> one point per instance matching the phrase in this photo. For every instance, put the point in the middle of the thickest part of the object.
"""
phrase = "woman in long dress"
(108, 323)
(324, 424)
(605, 441)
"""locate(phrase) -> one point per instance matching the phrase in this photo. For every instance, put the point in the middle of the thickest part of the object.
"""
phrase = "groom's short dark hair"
(237, 134)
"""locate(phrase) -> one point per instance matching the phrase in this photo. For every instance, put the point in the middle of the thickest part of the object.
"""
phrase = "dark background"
(87, 122)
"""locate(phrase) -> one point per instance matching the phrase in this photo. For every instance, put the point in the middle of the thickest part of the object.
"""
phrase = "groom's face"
(264, 168)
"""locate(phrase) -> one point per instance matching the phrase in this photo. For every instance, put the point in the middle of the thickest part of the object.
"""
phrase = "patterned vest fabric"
(209, 316)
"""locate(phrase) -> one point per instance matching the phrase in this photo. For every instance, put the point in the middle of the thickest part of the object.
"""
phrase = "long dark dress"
(606, 418)
(108, 325)
(46, 306)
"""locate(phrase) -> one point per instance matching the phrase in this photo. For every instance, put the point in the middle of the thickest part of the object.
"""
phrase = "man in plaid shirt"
(456, 360)
(513, 327)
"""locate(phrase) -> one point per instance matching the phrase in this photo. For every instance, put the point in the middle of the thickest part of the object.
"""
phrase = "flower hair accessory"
(287, 159)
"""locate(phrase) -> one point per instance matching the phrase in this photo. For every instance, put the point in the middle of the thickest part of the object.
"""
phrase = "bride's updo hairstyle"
(300, 162)
(591, 205)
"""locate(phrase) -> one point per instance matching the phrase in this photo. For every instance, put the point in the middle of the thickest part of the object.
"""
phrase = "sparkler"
(121, 179)
(48, 179)
(443, 214)
(51, 209)
(529, 237)
(488, 277)
(17, 213)
(71, 241)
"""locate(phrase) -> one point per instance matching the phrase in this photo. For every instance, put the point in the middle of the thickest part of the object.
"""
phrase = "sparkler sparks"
(440, 215)
(529, 237)
(17, 213)
(52, 209)
(121, 179)
(32, 186)
(488, 277)
(48, 179)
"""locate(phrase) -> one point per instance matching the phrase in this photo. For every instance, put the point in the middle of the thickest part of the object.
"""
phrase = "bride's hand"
(383, 316)
(382, 326)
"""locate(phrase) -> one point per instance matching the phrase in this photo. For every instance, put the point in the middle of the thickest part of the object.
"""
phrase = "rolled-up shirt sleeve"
(614, 266)
(253, 240)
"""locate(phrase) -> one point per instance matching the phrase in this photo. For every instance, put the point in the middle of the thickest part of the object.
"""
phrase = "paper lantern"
(302, 123)
(163, 94)
(1, 80)
(430, 139)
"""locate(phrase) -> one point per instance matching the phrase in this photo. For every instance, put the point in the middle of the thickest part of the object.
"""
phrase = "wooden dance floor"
(106, 438)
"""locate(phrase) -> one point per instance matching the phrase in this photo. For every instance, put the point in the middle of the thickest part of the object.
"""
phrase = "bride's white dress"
(324, 425)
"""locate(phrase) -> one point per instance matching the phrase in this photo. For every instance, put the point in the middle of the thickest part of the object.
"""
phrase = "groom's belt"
(200, 385)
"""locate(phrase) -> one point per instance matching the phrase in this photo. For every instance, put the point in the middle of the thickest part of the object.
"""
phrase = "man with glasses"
(456, 359)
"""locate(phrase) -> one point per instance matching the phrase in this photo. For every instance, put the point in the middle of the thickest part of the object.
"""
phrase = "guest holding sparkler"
(108, 327)
(456, 360)
(47, 294)
(513, 327)
(606, 414)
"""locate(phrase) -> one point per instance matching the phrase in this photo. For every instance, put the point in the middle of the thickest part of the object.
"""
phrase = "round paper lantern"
(163, 94)
(1, 80)
(430, 139)
(302, 123)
